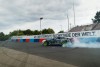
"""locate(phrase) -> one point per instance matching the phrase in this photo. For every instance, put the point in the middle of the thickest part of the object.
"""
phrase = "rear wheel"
(64, 43)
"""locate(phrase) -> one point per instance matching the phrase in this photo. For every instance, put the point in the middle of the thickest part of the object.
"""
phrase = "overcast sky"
(25, 14)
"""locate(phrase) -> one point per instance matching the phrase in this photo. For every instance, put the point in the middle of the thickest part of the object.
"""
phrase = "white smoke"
(82, 44)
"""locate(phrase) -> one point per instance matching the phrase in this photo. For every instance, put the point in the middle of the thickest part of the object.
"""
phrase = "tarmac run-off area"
(13, 54)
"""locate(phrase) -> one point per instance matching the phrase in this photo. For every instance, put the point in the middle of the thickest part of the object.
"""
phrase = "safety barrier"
(28, 40)
(83, 36)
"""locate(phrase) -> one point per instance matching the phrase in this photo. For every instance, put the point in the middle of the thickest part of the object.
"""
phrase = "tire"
(45, 43)
(64, 44)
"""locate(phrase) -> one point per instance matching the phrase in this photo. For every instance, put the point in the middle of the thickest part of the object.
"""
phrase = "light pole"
(40, 25)
(70, 25)
(74, 13)
(68, 19)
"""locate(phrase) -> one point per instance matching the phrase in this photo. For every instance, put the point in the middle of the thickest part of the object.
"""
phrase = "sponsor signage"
(94, 33)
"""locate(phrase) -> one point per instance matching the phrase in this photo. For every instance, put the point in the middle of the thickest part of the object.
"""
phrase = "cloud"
(14, 12)
(31, 10)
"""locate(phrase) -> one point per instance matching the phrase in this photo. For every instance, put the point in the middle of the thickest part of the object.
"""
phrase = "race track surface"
(14, 54)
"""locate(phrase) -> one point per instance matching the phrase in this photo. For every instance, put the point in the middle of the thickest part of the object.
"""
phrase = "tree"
(48, 31)
(20, 33)
(28, 32)
(14, 33)
(96, 18)
(45, 31)
(61, 31)
(2, 34)
(36, 32)
(51, 31)
(3, 37)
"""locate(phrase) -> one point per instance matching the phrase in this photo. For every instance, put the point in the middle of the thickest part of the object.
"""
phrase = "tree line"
(27, 32)
(30, 32)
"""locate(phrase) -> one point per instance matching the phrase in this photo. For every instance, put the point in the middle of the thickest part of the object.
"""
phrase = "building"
(94, 26)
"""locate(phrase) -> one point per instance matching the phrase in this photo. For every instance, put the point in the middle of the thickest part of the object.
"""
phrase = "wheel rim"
(45, 43)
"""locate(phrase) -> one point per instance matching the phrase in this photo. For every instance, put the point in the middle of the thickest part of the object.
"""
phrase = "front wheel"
(45, 43)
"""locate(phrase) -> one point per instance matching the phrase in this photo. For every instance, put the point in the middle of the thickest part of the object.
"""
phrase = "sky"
(26, 14)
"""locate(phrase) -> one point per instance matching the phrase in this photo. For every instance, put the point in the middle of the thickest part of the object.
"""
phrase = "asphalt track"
(14, 54)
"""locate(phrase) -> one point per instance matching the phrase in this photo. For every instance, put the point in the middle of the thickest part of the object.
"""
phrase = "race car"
(57, 41)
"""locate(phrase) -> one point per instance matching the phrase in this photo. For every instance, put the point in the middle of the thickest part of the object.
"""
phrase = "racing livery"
(57, 41)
